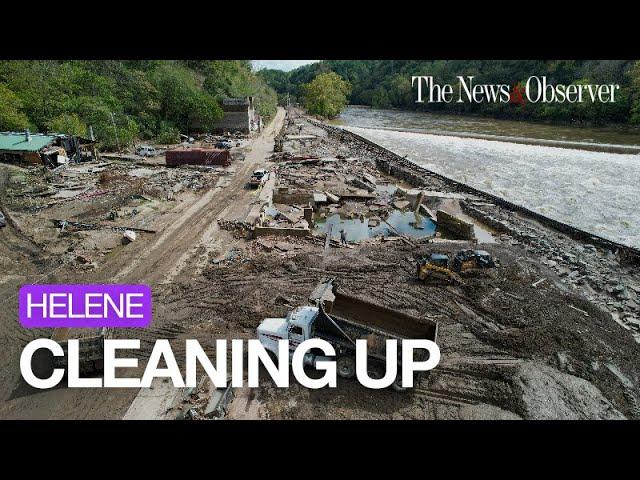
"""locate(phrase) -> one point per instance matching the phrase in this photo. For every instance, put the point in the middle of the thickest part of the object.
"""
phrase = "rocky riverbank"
(603, 271)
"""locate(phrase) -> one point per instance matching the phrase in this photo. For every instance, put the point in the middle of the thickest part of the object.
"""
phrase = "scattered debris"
(401, 204)
(489, 325)
(578, 310)
(129, 236)
(219, 401)
(454, 225)
(63, 224)
(538, 282)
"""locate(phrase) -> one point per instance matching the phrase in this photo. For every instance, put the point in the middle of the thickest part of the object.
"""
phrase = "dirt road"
(189, 233)
(188, 237)
(512, 347)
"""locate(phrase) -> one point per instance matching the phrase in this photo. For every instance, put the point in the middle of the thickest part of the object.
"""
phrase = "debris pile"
(581, 266)
(205, 402)
(240, 228)
(95, 206)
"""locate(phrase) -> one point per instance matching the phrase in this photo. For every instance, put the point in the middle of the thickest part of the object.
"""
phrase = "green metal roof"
(16, 142)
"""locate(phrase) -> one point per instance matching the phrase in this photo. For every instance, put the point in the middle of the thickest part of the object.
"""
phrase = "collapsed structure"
(239, 115)
(51, 150)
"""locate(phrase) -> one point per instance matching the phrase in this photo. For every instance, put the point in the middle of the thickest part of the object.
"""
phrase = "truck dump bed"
(90, 346)
(383, 319)
(345, 318)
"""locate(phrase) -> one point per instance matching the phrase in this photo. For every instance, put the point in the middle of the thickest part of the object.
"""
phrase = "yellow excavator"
(436, 267)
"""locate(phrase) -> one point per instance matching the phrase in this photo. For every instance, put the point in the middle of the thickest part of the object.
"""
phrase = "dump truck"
(341, 319)
(90, 348)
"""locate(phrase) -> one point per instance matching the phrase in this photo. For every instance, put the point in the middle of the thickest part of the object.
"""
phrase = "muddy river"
(592, 190)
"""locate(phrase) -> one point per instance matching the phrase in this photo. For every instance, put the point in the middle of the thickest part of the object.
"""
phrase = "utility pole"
(115, 130)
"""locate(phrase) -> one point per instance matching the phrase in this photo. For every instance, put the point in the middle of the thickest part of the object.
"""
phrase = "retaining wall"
(453, 224)
(414, 174)
(295, 232)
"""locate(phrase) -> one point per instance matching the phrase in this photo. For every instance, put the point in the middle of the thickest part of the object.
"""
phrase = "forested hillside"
(133, 99)
(387, 84)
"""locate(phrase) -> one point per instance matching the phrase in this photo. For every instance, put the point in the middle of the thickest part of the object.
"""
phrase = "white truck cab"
(296, 328)
(340, 320)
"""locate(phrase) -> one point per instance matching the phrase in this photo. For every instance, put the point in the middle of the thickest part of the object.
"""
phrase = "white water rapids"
(597, 192)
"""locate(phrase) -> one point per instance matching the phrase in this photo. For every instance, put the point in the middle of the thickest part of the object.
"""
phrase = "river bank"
(595, 191)
(596, 269)
(534, 337)
(474, 125)
(518, 341)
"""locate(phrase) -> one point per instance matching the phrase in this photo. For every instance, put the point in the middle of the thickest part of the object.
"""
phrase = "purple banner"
(84, 306)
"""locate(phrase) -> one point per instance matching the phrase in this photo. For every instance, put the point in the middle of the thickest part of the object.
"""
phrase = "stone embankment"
(604, 270)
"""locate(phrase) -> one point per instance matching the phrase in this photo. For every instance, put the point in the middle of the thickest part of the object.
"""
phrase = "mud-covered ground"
(182, 206)
(512, 346)
(508, 349)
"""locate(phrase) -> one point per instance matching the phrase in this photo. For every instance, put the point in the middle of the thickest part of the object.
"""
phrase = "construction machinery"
(340, 319)
(438, 266)
(472, 259)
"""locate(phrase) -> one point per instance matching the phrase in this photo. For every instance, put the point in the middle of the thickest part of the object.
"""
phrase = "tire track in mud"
(176, 242)
(140, 262)
(445, 397)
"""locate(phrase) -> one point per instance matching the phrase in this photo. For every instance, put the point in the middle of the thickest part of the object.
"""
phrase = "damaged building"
(239, 115)
(51, 150)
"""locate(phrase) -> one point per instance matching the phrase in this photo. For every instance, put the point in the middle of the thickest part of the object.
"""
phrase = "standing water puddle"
(358, 229)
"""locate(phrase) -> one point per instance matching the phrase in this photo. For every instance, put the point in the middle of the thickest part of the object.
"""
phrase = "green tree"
(182, 102)
(380, 98)
(11, 118)
(111, 128)
(168, 134)
(68, 123)
(236, 79)
(634, 75)
(387, 83)
(124, 99)
(326, 95)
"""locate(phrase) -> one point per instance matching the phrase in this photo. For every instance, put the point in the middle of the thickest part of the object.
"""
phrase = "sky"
(285, 65)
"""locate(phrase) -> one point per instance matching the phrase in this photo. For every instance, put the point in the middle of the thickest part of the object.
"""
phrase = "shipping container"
(198, 156)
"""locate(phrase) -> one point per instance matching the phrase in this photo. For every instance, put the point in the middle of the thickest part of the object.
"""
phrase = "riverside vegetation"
(387, 84)
(125, 100)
